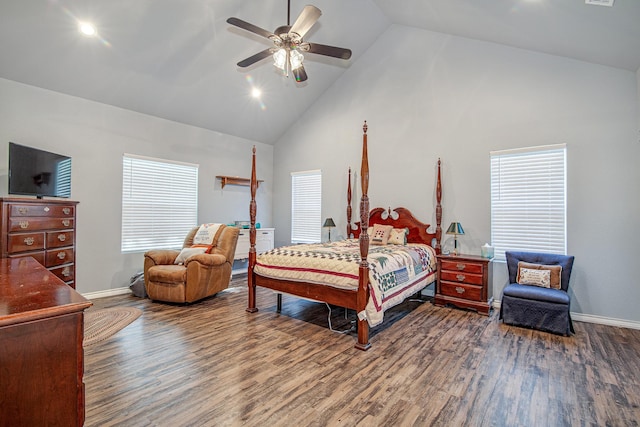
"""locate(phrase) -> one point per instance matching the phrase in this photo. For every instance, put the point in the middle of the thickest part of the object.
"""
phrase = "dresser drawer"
(38, 256)
(58, 257)
(461, 277)
(467, 267)
(25, 242)
(64, 273)
(17, 210)
(59, 239)
(26, 224)
(461, 290)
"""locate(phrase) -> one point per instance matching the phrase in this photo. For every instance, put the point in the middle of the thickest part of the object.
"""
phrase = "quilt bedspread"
(395, 271)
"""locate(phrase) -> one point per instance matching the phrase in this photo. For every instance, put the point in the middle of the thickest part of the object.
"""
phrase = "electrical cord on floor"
(346, 331)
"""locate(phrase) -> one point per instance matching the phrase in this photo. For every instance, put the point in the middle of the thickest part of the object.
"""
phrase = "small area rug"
(103, 323)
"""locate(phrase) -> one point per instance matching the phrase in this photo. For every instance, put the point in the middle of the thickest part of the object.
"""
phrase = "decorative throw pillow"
(555, 278)
(380, 234)
(206, 235)
(188, 252)
(528, 276)
(398, 236)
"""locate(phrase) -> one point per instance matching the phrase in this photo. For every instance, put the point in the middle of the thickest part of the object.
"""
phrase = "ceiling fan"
(288, 43)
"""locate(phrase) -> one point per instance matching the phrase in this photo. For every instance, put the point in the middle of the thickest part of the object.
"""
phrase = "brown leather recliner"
(201, 275)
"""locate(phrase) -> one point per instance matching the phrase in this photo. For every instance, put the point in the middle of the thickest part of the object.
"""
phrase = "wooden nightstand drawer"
(454, 276)
(467, 267)
(461, 290)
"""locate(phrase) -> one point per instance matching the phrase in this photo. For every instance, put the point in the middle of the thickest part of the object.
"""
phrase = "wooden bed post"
(438, 248)
(363, 283)
(251, 308)
(349, 206)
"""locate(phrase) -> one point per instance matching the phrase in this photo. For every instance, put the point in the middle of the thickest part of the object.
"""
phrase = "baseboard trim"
(107, 293)
(591, 318)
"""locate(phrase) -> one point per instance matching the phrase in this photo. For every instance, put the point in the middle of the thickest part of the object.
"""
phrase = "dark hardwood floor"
(213, 364)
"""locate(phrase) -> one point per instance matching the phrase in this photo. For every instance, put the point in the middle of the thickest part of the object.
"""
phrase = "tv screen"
(34, 172)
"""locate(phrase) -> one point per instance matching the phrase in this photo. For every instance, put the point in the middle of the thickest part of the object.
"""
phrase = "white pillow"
(188, 252)
(205, 234)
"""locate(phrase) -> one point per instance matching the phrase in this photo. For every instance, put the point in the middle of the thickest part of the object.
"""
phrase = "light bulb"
(279, 59)
(296, 59)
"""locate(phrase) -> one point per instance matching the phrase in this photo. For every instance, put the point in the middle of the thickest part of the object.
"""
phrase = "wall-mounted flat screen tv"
(34, 172)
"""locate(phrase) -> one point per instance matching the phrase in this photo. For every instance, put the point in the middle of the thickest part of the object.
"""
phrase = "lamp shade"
(329, 223)
(455, 228)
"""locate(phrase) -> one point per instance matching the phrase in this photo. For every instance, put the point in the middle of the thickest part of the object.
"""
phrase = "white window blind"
(306, 206)
(159, 203)
(528, 200)
(63, 183)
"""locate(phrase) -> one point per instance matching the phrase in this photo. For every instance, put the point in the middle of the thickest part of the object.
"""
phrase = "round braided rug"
(103, 323)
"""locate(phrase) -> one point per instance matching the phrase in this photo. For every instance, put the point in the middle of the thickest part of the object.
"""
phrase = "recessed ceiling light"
(87, 29)
(255, 92)
(600, 2)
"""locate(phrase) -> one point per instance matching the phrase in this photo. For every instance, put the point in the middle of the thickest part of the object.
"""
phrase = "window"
(528, 200)
(159, 202)
(306, 205)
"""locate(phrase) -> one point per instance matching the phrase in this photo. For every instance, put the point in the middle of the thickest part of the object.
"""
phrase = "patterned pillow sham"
(398, 236)
(380, 234)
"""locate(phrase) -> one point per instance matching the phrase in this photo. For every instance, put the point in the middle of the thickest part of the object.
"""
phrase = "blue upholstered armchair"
(546, 309)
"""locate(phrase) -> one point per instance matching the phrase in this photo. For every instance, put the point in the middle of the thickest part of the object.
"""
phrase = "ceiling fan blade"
(308, 17)
(322, 49)
(300, 74)
(250, 27)
(255, 58)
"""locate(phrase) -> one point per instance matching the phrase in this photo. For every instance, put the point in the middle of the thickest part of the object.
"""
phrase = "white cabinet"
(264, 242)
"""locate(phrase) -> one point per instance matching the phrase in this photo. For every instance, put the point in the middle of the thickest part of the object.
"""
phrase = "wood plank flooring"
(213, 364)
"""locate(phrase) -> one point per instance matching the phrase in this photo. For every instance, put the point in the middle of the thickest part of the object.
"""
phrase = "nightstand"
(465, 281)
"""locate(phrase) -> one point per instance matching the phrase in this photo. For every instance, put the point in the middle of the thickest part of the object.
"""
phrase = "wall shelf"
(236, 180)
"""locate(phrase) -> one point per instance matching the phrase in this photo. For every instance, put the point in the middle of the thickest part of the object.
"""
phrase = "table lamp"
(456, 229)
(329, 224)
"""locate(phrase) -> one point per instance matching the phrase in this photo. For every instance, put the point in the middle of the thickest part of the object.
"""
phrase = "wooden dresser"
(464, 281)
(41, 353)
(42, 229)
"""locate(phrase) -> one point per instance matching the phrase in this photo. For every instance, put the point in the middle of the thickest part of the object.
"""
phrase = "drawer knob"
(24, 224)
(66, 211)
(29, 241)
(62, 237)
(23, 210)
(66, 222)
(66, 272)
(459, 290)
(61, 255)
(46, 209)
(461, 277)
(460, 266)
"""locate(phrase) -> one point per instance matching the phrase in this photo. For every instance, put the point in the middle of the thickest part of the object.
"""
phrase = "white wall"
(95, 136)
(427, 95)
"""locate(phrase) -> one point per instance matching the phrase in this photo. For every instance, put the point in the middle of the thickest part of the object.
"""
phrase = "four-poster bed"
(367, 280)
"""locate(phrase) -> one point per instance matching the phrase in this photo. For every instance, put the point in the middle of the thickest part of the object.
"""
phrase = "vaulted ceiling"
(176, 59)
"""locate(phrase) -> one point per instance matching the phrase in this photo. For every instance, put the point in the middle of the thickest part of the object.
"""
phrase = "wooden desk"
(41, 353)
